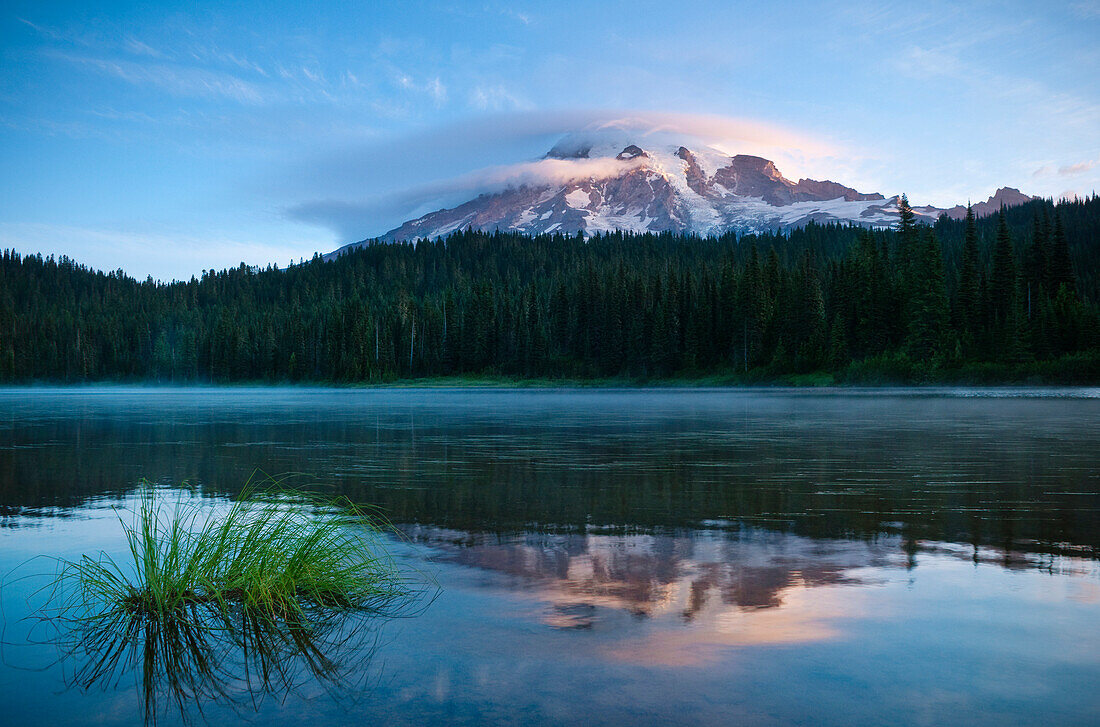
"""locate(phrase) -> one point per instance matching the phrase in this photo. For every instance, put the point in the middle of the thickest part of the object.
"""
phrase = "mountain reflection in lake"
(644, 557)
(749, 589)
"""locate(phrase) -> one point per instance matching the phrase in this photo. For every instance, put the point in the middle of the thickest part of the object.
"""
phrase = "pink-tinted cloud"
(1067, 170)
(369, 189)
(1078, 168)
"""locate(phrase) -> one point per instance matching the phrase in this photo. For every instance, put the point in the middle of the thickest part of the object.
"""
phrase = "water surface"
(623, 556)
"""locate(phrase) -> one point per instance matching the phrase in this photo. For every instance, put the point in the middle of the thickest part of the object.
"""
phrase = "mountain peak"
(1010, 196)
(632, 151)
(1003, 197)
(609, 180)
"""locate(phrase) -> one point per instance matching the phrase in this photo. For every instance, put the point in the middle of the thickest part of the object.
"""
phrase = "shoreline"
(503, 384)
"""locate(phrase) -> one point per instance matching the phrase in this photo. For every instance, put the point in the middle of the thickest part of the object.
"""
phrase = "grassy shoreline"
(818, 380)
(897, 370)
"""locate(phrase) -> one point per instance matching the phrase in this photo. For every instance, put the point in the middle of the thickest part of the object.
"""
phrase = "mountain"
(608, 181)
(1003, 197)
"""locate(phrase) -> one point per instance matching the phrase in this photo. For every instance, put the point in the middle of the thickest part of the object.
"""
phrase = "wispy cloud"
(1067, 170)
(1089, 10)
(209, 54)
(930, 63)
(896, 18)
(496, 98)
(433, 88)
(521, 17)
(51, 33)
(175, 79)
(137, 47)
(466, 146)
(945, 61)
(351, 218)
(1079, 168)
(182, 66)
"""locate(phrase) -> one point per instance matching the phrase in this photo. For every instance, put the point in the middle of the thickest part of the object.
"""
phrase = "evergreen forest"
(1010, 298)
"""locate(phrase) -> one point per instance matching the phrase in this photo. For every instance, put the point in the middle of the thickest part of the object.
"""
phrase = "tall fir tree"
(929, 318)
(969, 292)
(1061, 268)
(1002, 280)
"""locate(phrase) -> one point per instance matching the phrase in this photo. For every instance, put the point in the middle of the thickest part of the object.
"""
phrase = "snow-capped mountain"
(612, 182)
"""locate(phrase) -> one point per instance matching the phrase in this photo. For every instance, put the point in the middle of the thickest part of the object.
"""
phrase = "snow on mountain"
(654, 184)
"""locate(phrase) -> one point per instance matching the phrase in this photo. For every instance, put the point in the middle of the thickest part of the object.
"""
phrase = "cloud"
(1068, 170)
(177, 80)
(930, 63)
(1078, 168)
(351, 218)
(719, 130)
(135, 46)
(213, 55)
(1087, 10)
(365, 191)
(495, 98)
(437, 91)
(434, 88)
(502, 138)
(524, 18)
(943, 62)
(50, 33)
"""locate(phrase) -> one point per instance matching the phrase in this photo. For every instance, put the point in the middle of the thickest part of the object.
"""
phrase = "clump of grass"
(267, 558)
(229, 602)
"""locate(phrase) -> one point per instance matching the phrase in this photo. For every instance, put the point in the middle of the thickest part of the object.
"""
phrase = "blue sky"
(165, 138)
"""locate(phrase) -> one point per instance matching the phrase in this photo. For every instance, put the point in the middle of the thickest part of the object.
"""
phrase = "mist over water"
(643, 556)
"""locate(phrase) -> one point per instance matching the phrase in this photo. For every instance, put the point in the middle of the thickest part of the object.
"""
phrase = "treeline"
(1013, 297)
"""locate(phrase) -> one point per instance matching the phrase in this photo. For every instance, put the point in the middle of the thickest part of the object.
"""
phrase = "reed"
(270, 558)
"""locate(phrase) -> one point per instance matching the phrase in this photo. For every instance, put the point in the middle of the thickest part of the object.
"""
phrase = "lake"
(609, 556)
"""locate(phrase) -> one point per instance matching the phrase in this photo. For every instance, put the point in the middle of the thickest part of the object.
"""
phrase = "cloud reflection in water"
(678, 598)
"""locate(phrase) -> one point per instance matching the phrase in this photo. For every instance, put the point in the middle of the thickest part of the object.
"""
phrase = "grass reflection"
(228, 605)
(185, 665)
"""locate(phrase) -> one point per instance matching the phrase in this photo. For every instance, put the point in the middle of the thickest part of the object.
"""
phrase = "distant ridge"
(1003, 197)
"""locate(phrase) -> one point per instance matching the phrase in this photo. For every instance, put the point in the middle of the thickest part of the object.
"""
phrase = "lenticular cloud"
(367, 190)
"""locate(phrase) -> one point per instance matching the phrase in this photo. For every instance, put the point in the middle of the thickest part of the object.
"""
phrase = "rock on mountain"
(1003, 197)
(611, 182)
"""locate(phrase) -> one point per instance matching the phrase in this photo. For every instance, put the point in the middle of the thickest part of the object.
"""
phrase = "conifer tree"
(969, 296)
(907, 237)
(752, 304)
(1035, 265)
(929, 317)
(1002, 281)
(1061, 269)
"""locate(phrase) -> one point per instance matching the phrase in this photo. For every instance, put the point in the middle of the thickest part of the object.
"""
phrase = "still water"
(761, 557)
